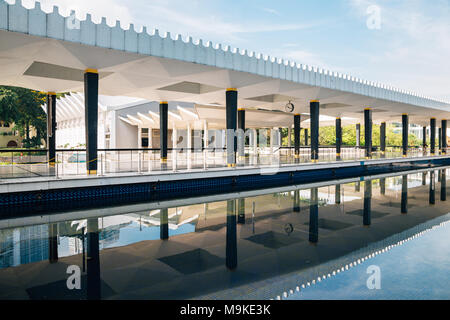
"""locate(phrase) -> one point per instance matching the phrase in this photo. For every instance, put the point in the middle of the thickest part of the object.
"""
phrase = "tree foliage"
(327, 136)
(23, 107)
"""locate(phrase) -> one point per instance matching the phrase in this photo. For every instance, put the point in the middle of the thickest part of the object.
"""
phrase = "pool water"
(313, 241)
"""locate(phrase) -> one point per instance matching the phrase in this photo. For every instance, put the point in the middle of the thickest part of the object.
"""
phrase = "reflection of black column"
(164, 224)
(231, 245)
(231, 115)
(368, 132)
(314, 114)
(424, 178)
(367, 203)
(404, 204)
(93, 260)
(53, 243)
(432, 197)
(314, 216)
(91, 119)
(306, 137)
(444, 136)
(383, 137)
(405, 133)
(357, 186)
(358, 135)
(241, 211)
(51, 128)
(297, 201)
(443, 185)
(297, 135)
(163, 129)
(433, 136)
(337, 194)
(424, 138)
(383, 186)
(338, 138)
(241, 132)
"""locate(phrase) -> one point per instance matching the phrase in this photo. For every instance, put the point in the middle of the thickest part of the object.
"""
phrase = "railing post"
(56, 161)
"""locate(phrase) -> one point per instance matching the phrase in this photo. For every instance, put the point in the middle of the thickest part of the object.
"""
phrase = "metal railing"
(21, 163)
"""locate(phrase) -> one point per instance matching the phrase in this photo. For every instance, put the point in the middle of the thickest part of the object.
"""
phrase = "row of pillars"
(235, 119)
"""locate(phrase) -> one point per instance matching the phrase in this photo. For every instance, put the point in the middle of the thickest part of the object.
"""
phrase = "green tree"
(23, 107)
(327, 136)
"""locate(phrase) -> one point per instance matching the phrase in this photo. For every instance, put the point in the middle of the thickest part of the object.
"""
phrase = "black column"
(443, 185)
(404, 201)
(231, 240)
(306, 137)
(357, 186)
(241, 133)
(432, 197)
(358, 135)
(231, 114)
(383, 137)
(241, 211)
(424, 139)
(433, 136)
(93, 260)
(53, 243)
(337, 194)
(91, 118)
(297, 119)
(338, 137)
(164, 224)
(163, 129)
(367, 203)
(314, 113)
(405, 133)
(368, 132)
(440, 140)
(51, 128)
(444, 136)
(314, 216)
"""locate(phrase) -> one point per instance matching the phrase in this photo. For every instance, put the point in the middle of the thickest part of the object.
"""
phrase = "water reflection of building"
(24, 245)
(33, 244)
(6, 248)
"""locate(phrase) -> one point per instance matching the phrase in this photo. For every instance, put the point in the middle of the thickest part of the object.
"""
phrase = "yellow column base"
(163, 160)
(231, 165)
(91, 172)
(51, 164)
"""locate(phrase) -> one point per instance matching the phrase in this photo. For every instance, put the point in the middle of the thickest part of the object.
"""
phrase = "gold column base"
(231, 165)
(314, 161)
(91, 172)
(51, 164)
(163, 160)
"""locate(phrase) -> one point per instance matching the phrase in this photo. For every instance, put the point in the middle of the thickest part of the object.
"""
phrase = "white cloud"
(413, 45)
(271, 11)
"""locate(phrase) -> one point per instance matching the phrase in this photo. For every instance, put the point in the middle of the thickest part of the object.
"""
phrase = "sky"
(405, 44)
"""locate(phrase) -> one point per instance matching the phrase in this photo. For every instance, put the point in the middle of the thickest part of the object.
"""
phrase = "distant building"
(9, 138)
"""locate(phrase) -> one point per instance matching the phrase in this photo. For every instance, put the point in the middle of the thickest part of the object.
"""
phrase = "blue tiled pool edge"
(17, 203)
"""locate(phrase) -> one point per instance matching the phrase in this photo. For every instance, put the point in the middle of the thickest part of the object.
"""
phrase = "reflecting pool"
(384, 237)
